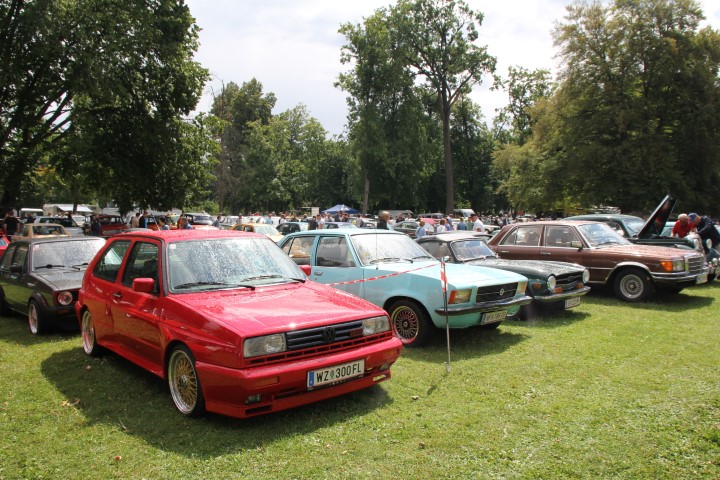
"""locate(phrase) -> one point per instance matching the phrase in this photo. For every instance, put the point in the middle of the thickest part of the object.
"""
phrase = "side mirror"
(576, 244)
(143, 285)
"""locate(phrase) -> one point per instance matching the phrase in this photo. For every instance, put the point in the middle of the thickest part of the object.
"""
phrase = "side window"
(433, 248)
(20, 257)
(7, 257)
(559, 236)
(300, 249)
(142, 263)
(333, 252)
(524, 236)
(108, 265)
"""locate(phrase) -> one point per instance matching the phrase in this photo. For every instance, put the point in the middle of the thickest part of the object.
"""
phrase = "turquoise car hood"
(457, 274)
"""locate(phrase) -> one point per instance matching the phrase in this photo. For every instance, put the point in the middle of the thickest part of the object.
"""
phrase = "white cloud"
(293, 46)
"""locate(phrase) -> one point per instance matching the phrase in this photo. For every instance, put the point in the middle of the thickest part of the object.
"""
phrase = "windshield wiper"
(419, 256)
(387, 259)
(263, 277)
(223, 284)
(49, 266)
(85, 264)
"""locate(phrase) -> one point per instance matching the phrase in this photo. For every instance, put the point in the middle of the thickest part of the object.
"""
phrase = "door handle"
(544, 253)
(504, 251)
(117, 295)
(318, 273)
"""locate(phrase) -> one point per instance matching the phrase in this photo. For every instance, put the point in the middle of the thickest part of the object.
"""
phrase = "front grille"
(495, 292)
(312, 337)
(311, 342)
(695, 264)
(569, 281)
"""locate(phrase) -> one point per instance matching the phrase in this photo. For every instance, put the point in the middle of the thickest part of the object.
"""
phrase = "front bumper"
(683, 279)
(485, 307)
(560, 297)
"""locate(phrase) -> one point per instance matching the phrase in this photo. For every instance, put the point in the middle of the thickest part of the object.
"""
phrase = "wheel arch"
(620, 267)
(396, 298)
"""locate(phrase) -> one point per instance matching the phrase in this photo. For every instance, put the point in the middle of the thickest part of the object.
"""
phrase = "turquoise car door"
(334, 263)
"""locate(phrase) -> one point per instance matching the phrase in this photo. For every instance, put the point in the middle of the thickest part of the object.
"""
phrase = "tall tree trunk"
(447, 155)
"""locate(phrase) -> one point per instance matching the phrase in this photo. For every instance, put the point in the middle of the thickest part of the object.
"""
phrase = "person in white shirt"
(478, 225)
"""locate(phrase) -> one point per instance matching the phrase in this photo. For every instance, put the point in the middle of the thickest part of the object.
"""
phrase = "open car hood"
(656, 222)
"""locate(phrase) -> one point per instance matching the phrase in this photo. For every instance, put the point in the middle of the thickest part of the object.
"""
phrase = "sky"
(293, 47)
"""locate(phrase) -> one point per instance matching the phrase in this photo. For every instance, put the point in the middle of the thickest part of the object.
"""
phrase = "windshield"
(374, 249)
(471, 249)
(634, 226)
(216, 263)
(599, 234)
(72, 253)
(266, 229)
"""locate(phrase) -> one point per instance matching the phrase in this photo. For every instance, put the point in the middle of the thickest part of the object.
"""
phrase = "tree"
(117, 75)
(436, 39)
(638, 106)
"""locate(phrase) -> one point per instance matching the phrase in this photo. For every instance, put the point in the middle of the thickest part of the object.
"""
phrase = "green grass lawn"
(607, 390)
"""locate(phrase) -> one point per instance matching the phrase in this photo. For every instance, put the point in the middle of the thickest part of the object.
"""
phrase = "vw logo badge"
(502, 292)
(328, 334)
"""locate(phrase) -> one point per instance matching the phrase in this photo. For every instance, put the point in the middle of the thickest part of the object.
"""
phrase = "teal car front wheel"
(410, 323)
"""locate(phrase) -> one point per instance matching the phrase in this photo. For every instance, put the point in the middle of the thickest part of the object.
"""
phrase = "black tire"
(87, 333)
(633, 285)
(36, 319)
(184, 383)
(410, 323)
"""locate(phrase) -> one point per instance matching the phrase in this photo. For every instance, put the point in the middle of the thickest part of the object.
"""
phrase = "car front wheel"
(184, 382)
(36, 319)
(633, 285)
(410, 323)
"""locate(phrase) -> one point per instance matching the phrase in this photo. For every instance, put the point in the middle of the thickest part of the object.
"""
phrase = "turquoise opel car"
(392, 271)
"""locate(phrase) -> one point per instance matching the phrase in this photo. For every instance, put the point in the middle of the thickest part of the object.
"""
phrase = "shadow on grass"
(114, 392)
(690, 298)
(14, 329)
(548, 318)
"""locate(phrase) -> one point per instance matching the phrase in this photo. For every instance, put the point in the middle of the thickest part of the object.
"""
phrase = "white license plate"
(572, 302)
(334, 374)
(701, 278)
(493, 317)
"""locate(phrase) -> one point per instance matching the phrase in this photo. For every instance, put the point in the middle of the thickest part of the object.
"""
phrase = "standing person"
(216, 222)
(143, 220)
(478, 225)
(11, 224)
(320, 222)
(135, 221)
(420, 231)
(462, 225)
(183, 224)
(312, 223)
(95, 228)
(382, 224)
(705, 228)
(162, 224)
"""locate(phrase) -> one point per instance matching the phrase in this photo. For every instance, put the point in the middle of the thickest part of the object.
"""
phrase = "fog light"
(253, 399)
(384, 366)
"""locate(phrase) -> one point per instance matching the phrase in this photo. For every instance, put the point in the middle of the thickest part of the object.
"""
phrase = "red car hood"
(278, 308)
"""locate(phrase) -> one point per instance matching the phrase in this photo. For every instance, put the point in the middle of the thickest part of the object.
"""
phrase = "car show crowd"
(152, 287)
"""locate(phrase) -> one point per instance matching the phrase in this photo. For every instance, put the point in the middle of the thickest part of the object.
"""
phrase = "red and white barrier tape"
(381, 276)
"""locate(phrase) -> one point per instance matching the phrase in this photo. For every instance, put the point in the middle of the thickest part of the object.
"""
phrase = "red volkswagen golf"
(230, 322)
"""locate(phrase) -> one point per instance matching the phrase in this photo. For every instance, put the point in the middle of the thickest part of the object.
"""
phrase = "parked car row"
(230, 321)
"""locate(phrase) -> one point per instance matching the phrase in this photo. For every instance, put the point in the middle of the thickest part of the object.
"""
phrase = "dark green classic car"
(556, 284)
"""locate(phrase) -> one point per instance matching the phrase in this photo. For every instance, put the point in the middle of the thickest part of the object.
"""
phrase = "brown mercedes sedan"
(635, 272)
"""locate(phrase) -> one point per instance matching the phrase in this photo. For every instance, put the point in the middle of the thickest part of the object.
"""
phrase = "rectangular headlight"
(460, 296)
(374, 325)
(267, 345)
(673, 265)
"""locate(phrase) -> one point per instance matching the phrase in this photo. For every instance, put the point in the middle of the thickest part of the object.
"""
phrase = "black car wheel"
(36, 319)
(633, 285)
(410, 323)
(184, 382)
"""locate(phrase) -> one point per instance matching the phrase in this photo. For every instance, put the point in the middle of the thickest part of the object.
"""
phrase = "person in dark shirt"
(382, 224)
(11, 224)
(705, 228)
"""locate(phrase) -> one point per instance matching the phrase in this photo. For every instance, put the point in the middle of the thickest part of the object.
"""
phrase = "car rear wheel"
(633, 285)
(410, 323)
(184, 382)
(36, 319)
(87, 332)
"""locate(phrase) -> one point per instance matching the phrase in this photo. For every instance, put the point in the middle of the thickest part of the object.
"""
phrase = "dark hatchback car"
(646, 232)
(40, 278)
(553, 284)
